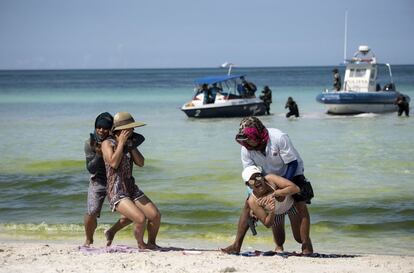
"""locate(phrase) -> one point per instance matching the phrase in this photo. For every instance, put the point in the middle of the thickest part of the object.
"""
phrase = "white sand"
(59, 257)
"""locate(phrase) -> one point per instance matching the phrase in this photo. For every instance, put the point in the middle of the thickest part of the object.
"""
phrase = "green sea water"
(361, 166)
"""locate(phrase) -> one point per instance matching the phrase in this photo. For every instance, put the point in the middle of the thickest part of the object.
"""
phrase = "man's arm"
(137, 157)
(283, 186)
(291, 169)
(288, 156)
(92, 158)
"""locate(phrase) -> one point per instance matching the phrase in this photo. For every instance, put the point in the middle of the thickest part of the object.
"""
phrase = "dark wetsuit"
(267, 99)
(403, 107)
(293, 109)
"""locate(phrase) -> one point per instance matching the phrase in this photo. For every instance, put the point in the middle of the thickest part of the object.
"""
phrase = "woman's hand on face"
(124, 135)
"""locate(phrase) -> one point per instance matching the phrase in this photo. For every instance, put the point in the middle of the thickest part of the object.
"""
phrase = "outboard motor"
(389, 87)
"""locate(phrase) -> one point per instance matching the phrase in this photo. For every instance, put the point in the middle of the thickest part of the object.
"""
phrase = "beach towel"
(110, 249)
(129, 249)
(290, 254)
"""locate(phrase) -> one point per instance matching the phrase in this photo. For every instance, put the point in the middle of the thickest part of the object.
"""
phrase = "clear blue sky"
(60, 34)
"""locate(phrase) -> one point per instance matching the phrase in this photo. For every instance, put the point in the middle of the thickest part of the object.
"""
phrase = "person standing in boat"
(97, 182)
(336, 80)
(293, 108)
(249, 87)
(266, 97)
(207, 94)
(272, 149)
(403, 105)
(214, 89)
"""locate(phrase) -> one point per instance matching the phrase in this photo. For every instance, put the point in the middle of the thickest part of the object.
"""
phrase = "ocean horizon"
(339, 64)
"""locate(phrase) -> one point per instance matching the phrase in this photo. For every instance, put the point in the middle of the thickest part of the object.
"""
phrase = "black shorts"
(306, 190)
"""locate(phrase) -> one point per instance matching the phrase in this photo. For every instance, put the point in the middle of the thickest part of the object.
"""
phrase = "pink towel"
(111, 249)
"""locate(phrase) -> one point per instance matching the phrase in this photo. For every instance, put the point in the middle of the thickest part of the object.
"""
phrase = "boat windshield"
(227, 85)
(357, 73)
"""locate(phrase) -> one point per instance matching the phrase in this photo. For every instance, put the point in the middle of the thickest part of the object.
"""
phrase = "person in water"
(270, 200)
(97, 182)
(266, 97)
(403, 105)
(272, 149)
(293, 108)
(123, 194)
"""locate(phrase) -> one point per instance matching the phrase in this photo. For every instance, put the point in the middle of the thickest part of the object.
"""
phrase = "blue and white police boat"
(361, 90)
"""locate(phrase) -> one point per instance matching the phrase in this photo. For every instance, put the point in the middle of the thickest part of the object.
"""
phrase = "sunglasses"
(241, 137)
(253, 181)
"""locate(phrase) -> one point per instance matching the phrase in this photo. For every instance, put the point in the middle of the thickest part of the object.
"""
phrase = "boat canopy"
(216, 79)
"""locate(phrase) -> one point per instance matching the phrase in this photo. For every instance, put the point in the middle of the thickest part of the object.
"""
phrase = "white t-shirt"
(279, 152)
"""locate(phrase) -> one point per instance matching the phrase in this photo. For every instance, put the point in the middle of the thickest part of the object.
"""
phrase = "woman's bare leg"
(128, 208)
(279, 235)
(153, 215)
(120, 224)
(295, 221)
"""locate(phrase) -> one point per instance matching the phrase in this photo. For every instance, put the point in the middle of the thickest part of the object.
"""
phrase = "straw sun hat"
(124, 120)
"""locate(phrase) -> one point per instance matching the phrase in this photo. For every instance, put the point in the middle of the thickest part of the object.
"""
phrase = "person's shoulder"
(252, 201)
(276, 135)
(88, 141)
(244, 150)
(109, 140)
(275, 132)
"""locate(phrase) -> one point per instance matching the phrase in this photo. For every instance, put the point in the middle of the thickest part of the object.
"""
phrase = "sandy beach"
(62, 257)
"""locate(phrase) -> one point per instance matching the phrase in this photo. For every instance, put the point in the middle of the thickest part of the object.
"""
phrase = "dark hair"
(104, 120)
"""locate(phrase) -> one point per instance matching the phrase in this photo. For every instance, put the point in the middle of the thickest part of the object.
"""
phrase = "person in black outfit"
(293, 108)
(403, 105)
(337, 80)
(267, 98)
(249, 87)
(208, 98)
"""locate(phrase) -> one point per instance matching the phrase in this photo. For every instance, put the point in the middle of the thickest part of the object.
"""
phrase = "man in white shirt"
(272, 150)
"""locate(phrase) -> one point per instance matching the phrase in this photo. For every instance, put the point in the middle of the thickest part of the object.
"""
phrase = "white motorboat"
(226, 98)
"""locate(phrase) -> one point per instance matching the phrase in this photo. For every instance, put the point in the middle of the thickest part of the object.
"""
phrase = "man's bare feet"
(232, 249)
(307, 248)
(88, 242)
(307, 252)
(279, 249)
(142, 245)
(109, 237)
(153, 246)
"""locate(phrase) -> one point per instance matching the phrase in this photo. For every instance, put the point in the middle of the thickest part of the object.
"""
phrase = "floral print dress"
(120, 182)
